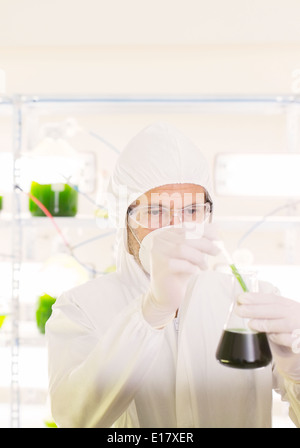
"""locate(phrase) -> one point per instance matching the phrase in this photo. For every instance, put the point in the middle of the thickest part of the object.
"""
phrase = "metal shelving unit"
(16, 267)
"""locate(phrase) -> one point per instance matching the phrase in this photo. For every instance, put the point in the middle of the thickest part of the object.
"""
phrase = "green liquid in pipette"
(238, 277)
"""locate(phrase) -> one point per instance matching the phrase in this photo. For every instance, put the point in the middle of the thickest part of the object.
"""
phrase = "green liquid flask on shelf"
(1, 203)
(60, 199)
(54, 173)
(239, 346)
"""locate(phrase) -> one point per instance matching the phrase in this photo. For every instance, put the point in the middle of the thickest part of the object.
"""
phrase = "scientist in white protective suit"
(136, 348)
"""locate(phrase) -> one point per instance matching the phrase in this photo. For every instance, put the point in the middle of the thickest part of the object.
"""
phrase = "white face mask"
(192, 232)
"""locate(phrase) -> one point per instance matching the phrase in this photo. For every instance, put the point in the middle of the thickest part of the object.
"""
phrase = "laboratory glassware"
(59, 199)
(240, 346)
(54, 169)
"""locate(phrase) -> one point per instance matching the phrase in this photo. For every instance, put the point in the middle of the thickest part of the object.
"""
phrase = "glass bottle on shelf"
(54, 169)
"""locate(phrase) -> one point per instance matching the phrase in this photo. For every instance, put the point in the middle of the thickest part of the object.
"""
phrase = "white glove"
(175, 258)
(279, 317)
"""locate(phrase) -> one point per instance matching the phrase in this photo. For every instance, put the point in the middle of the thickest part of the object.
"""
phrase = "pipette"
(232, 266)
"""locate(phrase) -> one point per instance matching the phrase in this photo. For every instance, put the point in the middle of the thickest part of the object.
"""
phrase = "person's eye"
(191, 210)
(154, 211)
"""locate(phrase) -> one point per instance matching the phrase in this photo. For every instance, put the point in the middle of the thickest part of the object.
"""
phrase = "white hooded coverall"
(109, 368)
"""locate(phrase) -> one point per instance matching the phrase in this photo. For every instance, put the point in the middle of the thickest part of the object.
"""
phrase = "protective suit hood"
(158, 155)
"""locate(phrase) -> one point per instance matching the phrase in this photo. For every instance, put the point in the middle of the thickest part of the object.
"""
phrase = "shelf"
(27, 220)
(86, 220)
(6, 106)
(270, 222)
(91, 221)
(272, 104)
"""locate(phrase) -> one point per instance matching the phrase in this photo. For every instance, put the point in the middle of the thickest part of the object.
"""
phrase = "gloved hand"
(279, 317)
(175, 258)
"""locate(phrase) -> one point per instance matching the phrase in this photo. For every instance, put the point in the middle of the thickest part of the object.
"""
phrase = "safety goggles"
(156, 216)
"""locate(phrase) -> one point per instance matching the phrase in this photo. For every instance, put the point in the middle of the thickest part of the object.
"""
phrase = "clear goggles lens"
(156, 216)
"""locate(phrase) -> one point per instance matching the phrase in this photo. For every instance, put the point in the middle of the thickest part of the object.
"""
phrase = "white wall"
(149, 46)
(194, 69)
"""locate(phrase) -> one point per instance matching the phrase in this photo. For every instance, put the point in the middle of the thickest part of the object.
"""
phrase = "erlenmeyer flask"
(240, 347)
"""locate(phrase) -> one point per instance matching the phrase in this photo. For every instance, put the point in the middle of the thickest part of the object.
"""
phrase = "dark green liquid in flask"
(59, 199)
(240, 348)
(243, 350)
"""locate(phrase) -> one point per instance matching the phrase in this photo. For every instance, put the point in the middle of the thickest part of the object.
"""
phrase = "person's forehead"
(176, 188)
(173, 194)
